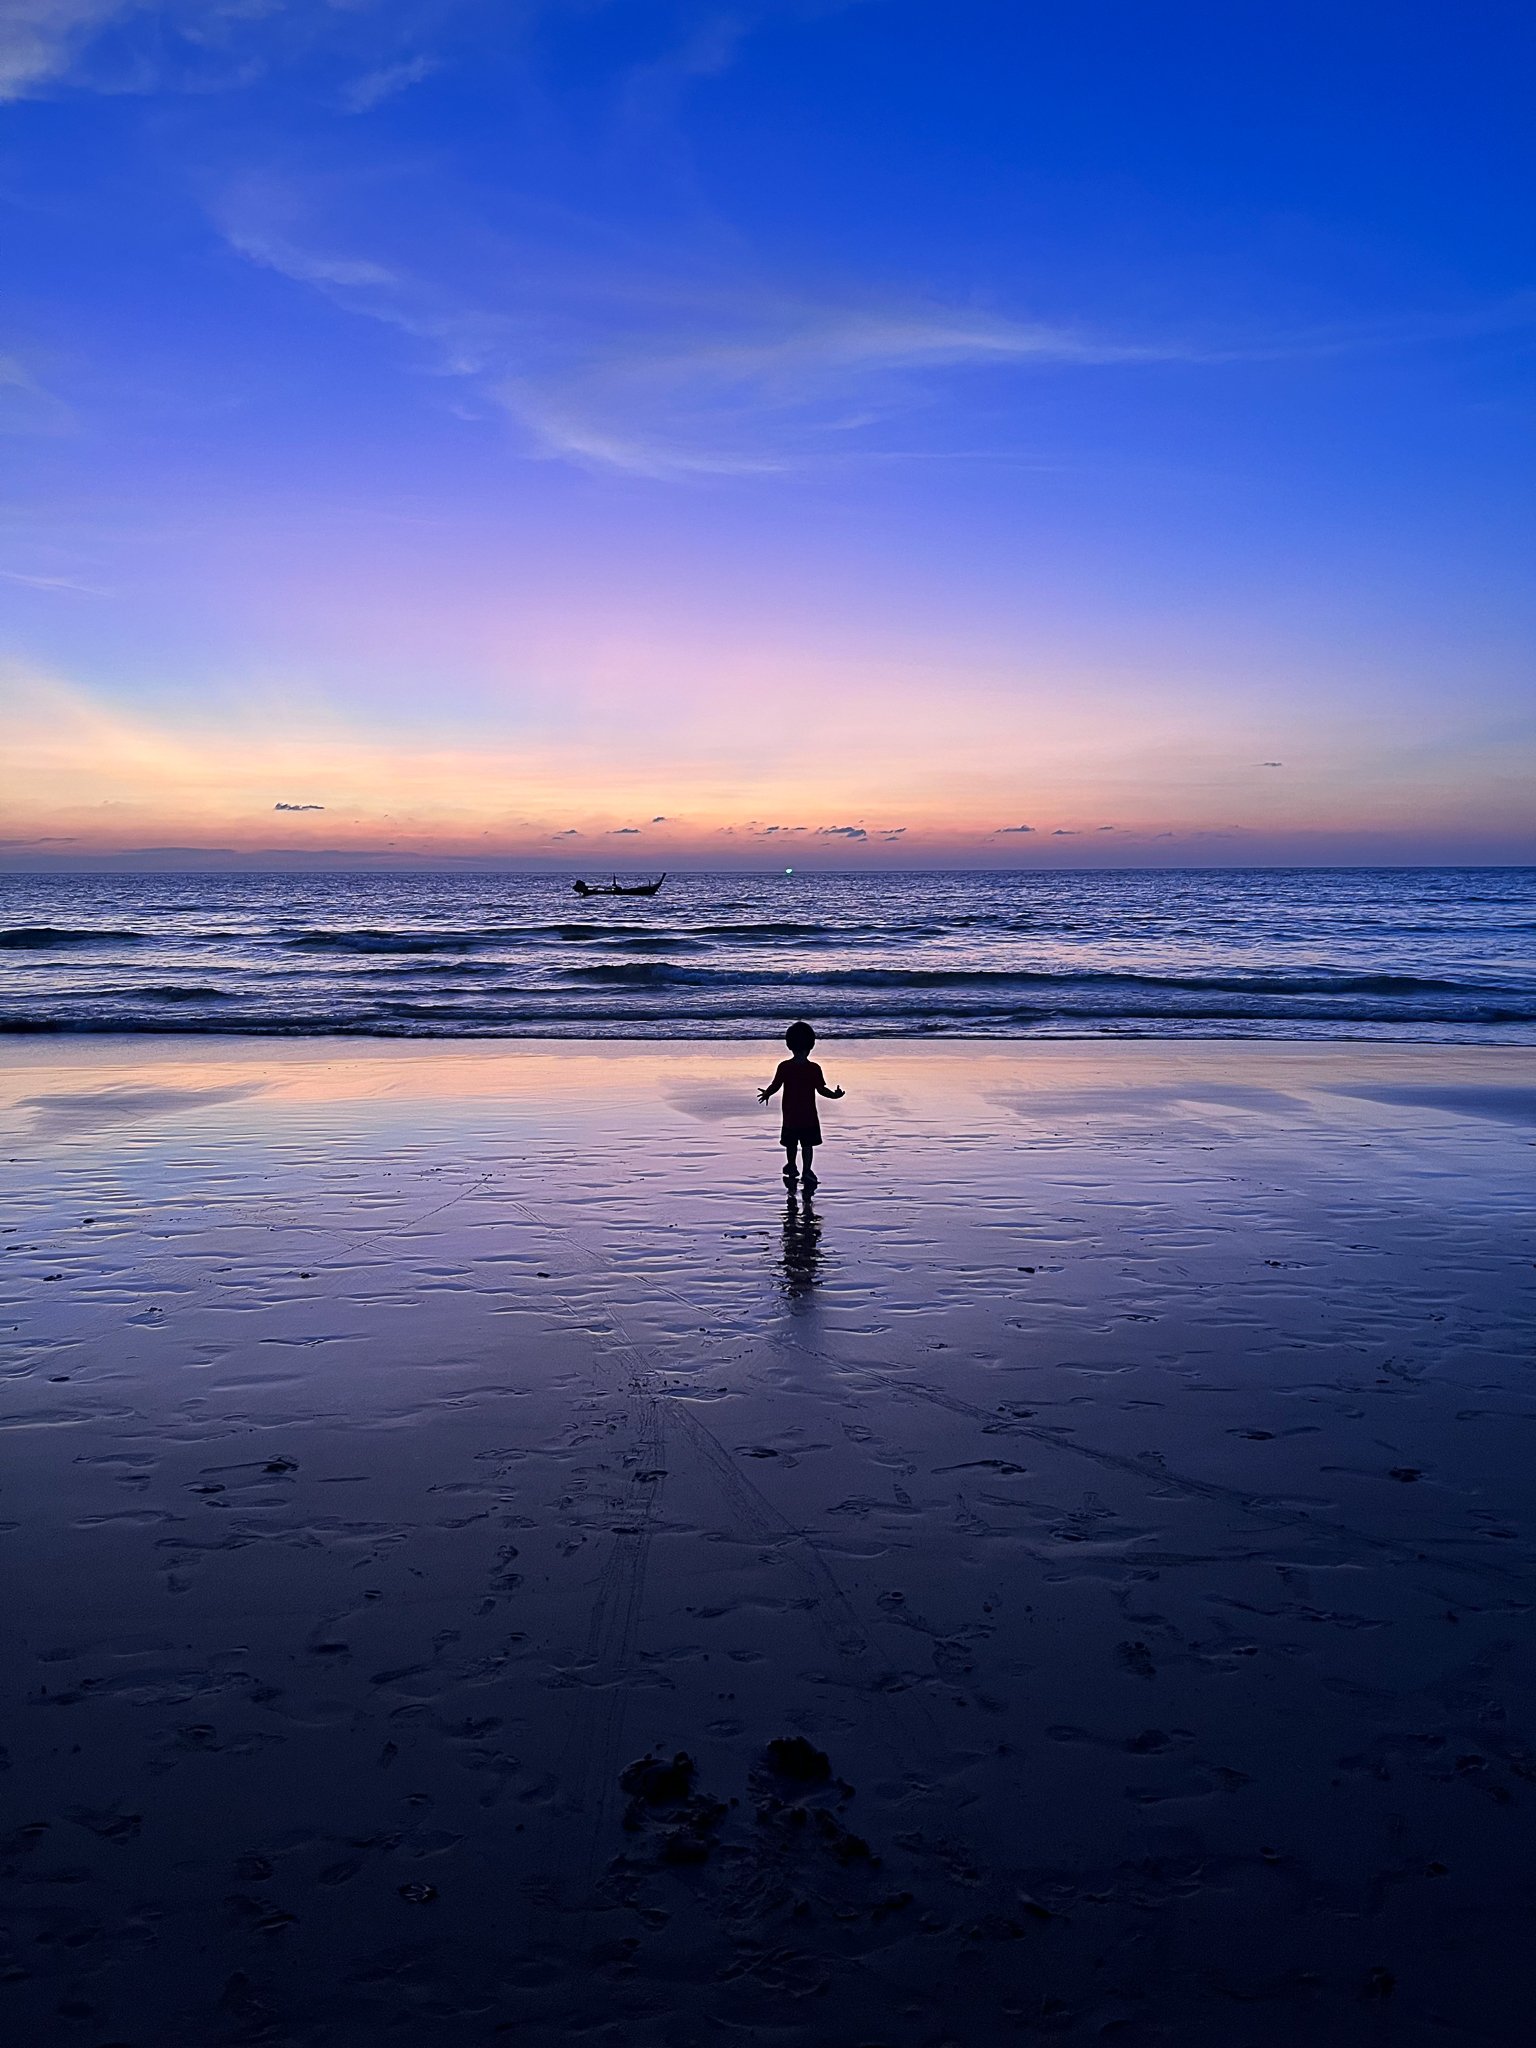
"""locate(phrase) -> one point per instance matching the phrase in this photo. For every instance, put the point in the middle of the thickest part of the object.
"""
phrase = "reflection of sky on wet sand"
(919, 1085)
(401, 1441)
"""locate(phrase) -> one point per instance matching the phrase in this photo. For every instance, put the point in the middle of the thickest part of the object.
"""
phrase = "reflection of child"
(802, 1081)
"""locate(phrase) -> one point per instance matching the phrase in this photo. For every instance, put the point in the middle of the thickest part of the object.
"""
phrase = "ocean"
(1439, 954)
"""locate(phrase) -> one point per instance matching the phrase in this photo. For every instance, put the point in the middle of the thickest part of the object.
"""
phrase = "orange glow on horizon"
(812, 767)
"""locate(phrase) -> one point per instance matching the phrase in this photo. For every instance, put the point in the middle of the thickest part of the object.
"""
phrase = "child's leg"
(789, 1158)
(807, 1154)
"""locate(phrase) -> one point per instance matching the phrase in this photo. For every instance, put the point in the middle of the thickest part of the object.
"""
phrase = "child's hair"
(800, 1037)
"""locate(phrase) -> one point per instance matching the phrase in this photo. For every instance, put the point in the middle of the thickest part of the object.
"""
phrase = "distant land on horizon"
(128, 865)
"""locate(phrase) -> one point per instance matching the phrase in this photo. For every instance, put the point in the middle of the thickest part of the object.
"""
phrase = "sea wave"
(599, 932)
(1279, 983)
(40, 937)
(379, 941)
(632, 973)
(458, 1020)
(481, 938)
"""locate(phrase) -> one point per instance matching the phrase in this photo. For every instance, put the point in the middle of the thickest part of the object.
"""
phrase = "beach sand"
(1085, 1568)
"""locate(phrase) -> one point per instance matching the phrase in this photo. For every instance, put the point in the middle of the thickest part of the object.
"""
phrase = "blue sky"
(493, 423)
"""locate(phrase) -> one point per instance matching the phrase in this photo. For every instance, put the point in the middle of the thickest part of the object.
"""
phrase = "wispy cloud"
(841, 832)
(805, 382)
(66, 586)
(1003, 831)
(351, 276)
(298, 807)
(198, 46)
(639, 363)
(363, 94)
(25, 407)
(40, 39)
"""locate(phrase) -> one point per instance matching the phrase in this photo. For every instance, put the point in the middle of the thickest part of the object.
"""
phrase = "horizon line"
(60, 866)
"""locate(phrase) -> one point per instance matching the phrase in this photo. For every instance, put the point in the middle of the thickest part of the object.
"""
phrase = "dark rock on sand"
(662, 1792)
(792, 1757)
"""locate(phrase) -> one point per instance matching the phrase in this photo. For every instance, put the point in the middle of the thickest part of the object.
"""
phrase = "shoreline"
(60, 1041)
(1263, 1032)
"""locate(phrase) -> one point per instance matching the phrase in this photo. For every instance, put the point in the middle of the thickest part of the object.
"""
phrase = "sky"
(652, 433)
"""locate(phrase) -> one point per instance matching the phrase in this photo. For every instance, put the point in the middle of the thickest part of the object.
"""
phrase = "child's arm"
(830, 1093)
(772, 1089)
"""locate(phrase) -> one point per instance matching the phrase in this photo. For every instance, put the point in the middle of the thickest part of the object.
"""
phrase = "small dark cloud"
(1271, 764)
(622, 831)
(658, 821)
(570, 832)
(1064, 832)
(894, 833)
(841, 832)
(39, 842)
(298, 807)
(1003, 830)
(1106, 828)
(1162, 835)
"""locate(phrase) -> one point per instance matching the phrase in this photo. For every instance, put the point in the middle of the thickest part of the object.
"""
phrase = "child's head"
(800, 1037)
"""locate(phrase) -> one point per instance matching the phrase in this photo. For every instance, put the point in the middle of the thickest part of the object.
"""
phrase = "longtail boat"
(618, 888)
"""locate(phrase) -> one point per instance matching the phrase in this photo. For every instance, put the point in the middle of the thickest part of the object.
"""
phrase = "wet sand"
(480, 1566)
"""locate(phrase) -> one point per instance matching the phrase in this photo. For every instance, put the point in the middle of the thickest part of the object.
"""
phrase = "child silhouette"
(802, 1081)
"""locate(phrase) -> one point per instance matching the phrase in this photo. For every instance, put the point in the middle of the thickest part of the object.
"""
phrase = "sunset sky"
(870, 434)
